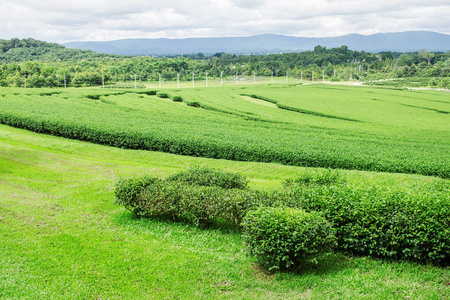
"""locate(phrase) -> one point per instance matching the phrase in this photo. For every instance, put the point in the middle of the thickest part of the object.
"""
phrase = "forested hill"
(41, 64)
(411, 41)
(16, 50)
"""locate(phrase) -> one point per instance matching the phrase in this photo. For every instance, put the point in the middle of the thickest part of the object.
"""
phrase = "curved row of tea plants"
(236, 129)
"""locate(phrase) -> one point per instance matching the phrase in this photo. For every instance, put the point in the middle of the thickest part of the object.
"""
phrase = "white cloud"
(61, 21)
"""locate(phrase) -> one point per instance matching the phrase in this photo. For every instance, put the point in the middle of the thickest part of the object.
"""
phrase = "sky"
(104, 20)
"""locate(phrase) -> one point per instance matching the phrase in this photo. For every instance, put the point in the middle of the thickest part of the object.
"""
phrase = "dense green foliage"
(397, 131)
(391, 223)
(205, 176)
(177, 98)
(50, 65)
(201, 202)
(285, 238)
(162, 95)
(16, 50)
(326, 177)
(128, 190)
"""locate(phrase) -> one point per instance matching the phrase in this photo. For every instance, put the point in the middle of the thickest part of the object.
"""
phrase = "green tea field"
(342, 127)
(62, 153)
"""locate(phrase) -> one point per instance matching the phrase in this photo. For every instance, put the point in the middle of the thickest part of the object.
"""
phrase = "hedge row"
(213, 197)
(299, 110)
(388, 223)
(177, 99)
(162, 95)
(205, 176)
(146, 139)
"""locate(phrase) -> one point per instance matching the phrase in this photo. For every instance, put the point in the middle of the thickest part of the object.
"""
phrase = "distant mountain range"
(270, 43)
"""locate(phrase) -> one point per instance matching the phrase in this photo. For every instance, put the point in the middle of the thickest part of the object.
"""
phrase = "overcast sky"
(102, 20)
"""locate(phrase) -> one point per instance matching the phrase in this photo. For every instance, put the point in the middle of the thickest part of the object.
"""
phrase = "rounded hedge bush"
(177, 99)
(206, 176)
(162, 95)
(284, 238)
(128, 190)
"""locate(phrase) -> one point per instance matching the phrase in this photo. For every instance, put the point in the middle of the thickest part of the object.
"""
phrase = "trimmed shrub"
(162, 95)
(93, 97)
(394, 223)
(283, 238)
(128, 190)
(380, 222)
(193, 103)
(177, 99)
(148, 93)
(198, 195)
(210, 177)
(199, 205)
(325, 177)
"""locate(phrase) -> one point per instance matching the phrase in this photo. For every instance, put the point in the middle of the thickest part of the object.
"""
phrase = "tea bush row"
(299, 110)
(382, 222)
(162, 95)
(177, 99)
(237, 150)
(211, 197)
(218, 131)
(280, 238)
(205, 176)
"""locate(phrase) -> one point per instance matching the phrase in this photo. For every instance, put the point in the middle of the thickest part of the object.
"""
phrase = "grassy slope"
(63, 237)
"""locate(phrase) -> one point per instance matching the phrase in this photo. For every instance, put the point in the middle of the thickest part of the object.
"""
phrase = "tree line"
(44, 64)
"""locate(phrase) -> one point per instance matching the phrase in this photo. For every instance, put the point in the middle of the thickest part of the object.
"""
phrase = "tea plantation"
(80, 219)
(344, 127)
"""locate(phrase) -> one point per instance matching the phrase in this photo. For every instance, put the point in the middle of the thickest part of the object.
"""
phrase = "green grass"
(313, 125)
(64, 238)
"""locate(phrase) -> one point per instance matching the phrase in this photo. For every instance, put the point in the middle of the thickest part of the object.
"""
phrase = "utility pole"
(159, 80)
(193, 80)
(178, 80)
(221, 81)
(323, 75)
(254, 77)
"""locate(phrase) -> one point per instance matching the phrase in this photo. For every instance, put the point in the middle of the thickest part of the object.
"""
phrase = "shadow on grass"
(126, 219)
(327, 264)
(187, 233)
